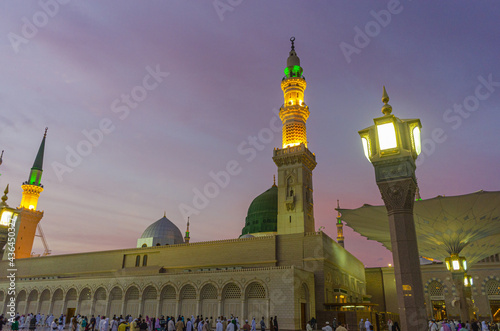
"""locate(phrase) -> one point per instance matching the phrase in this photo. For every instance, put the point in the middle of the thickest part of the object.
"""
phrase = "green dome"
(262, 214)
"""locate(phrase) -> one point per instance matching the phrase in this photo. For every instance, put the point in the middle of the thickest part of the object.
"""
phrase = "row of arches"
(208, 299)
(436, 288)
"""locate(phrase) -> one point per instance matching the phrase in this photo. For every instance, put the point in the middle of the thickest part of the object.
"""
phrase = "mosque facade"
(279, 266)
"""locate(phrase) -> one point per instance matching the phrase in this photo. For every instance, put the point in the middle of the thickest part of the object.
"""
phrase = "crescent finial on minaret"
(292, 40)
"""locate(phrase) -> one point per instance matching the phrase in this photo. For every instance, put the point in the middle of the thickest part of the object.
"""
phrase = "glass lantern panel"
(455, 264)
(417, 140)
(5, 219)
(387, 136)
(365, 148)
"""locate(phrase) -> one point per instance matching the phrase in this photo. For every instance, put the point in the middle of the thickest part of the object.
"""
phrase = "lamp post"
(8, 215)
(392, 146)
(458, 267)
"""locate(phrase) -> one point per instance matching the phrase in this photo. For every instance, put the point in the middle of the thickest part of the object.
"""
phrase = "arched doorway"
(70, 302)
(256, 301)
(149, 301)
(438, 305)
(208, 297)
(100, 302)
(85, 302)
(2, 302)
(115, 301)
(231, 300)
(188, 300)
(57, 302)
(132, 301)
(168, 301)
(304, 305)
(45, 302)
(493, 292)
(21, 302)
(33, 302)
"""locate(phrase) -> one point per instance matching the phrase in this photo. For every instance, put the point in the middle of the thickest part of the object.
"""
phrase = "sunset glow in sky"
(146, 102)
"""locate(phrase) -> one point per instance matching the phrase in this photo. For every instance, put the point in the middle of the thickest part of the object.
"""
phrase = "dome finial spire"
(4, 198)
(164, 213)
(274, 180)
(1, 156)
(292, 39)
(45, 134)
(386, 108)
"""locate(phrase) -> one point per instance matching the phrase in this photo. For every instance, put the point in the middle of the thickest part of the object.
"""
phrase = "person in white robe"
(367, 325)
(114, 325)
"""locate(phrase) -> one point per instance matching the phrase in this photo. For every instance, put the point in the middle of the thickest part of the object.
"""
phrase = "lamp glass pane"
(448, 265)
(365, 148)
(6, 216)
(471, 281)
(455, 264)
(387, 136)
(466, 281)
(417, 140)
(465, 265)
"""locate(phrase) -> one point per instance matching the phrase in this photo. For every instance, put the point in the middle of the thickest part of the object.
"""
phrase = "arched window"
(138, 260)
(144, 245)
(145, 261)
(436, 289)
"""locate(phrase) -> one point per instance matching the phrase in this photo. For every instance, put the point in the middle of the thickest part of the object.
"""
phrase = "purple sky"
(224, 78)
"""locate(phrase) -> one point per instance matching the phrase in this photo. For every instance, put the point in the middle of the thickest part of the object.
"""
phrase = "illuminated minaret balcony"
(294, 112)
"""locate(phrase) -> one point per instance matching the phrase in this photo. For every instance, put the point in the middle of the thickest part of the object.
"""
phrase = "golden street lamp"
(8, 215)
(392, 146)
(457, 265)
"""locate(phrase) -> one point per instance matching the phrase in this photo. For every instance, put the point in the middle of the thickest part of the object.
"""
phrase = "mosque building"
(279, 266)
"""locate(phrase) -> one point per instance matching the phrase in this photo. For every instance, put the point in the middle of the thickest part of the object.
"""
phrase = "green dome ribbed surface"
(262, 214)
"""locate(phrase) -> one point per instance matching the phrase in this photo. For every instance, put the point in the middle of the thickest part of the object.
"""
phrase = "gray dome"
(164, 230)
(248, 235)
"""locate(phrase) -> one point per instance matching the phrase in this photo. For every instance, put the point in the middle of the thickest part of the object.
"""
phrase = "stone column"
(141, 304)
(158, 307)
(92, 306)
(399, 195)
(458, 280)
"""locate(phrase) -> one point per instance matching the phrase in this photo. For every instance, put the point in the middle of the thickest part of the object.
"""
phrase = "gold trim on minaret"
(340, 226)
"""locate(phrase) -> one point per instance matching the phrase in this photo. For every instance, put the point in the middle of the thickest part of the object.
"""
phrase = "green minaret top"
(37, 169)
(38, 164)
(293, 68)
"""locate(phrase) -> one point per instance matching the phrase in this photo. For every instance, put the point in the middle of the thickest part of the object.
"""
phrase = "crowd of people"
(453, 325)
(444, 325)
(129, 323)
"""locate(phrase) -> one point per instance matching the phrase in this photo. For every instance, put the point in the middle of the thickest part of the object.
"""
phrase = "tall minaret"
(340, 227)
(186, 237)
(295, 162)
(29, 216)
